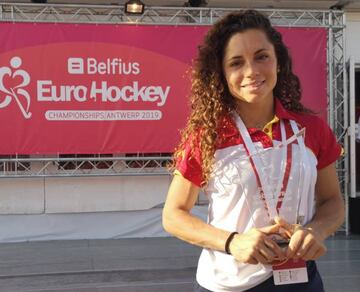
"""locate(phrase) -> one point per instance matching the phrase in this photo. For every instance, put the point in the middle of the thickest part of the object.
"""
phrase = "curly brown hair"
(210, 97)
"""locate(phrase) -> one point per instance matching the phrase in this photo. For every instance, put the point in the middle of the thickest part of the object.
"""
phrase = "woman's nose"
(250, 69)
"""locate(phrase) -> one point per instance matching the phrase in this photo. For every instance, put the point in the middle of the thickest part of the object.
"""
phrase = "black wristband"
(228, 241)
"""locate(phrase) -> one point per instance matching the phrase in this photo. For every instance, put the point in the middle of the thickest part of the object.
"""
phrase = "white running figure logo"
(17, 91)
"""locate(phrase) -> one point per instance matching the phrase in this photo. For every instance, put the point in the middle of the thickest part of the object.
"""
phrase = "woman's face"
(250, 67)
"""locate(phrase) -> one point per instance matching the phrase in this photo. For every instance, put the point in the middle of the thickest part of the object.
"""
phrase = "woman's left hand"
(305, 243)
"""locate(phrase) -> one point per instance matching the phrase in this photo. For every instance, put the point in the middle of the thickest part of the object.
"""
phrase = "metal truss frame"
(85, 166)
(338, 105)
(332, 20)
(113, 14)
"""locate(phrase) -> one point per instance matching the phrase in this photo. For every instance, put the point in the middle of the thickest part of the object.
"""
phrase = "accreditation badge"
(290, 272)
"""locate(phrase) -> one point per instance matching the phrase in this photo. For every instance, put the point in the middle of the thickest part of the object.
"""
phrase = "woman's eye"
(263, 57)
(235, 64)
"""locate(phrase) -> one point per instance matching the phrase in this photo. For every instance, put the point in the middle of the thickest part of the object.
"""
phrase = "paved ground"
(137, 265)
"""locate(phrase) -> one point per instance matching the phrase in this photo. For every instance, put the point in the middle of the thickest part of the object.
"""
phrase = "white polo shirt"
(233, 194)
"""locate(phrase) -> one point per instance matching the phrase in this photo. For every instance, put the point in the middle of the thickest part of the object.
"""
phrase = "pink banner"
(71, 89)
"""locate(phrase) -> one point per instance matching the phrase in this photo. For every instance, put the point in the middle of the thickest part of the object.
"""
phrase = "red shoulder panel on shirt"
(319, 138)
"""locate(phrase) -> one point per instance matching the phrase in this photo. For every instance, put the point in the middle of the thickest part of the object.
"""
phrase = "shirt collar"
(281, 112)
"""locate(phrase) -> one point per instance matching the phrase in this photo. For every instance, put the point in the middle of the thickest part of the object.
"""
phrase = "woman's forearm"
(328, 217)
(330, 210)
(192, 229)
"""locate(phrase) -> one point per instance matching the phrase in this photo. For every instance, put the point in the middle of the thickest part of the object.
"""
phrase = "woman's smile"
(251, 86)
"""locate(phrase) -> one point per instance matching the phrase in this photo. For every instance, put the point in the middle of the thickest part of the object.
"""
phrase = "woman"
(243, 86)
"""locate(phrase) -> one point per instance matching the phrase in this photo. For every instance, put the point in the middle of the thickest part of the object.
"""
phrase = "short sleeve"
(329, 149)
(189, 165)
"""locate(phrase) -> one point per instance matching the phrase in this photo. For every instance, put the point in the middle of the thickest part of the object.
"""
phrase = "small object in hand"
(282, 242)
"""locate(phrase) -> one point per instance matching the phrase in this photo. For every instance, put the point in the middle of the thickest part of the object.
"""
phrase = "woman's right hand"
(256, 246)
